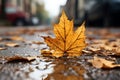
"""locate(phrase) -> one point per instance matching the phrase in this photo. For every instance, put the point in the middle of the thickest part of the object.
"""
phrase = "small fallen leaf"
(67, 42)
(37, 42)
(1, 38)
(20, 58)
(103, 63)
(2, 48)
(118, 50)
(31, 69)
(107, 47)
(10, 44)
(85, 51)
(46, 52)
(17, 38)
(93, 49)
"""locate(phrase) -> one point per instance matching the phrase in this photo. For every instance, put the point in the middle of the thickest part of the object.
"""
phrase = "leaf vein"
(55, 45)
(75, 40)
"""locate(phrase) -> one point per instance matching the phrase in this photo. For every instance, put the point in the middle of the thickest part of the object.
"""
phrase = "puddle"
(67, 70)
(55, 69)
(39, 69)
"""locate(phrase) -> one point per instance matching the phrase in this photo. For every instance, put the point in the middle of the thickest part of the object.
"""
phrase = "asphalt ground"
(48, 68)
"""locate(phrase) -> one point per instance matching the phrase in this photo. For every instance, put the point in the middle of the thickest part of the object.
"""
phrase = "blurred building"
(16, 11)
(23, 5)
(94, 12)
(75, 10)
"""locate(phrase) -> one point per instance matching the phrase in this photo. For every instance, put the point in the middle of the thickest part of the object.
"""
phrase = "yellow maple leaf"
(67, 41)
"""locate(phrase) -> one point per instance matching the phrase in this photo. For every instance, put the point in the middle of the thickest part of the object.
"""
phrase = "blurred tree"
(76, 9)
(3, 8)
(42, 14)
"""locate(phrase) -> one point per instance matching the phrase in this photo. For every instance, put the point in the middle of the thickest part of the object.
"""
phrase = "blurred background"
(103, 13)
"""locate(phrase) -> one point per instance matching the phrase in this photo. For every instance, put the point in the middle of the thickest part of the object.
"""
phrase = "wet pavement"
(47, 68)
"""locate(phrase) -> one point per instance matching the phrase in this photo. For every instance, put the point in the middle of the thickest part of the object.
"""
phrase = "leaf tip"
(63, 14)
(83, 22)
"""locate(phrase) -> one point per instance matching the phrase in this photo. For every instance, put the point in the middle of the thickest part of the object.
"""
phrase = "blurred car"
(102, 12)
(19, 18)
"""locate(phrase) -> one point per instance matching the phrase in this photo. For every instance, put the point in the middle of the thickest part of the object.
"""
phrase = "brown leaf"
(1, 38)
(103, 63)
(117, 51)
(10, 44)
(17, 38)
(2, 48)
(85, 51)
(107, 47)
(46, 52)
(37, 42)
(67, 42)
(20, 58)
(93, 49)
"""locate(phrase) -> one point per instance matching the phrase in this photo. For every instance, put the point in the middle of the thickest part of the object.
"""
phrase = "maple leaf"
(67, 41)
(103, 63)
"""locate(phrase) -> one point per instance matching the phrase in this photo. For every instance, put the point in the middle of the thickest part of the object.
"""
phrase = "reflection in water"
(55, 69)
(43, 72)
(39, 69)
(66, 69)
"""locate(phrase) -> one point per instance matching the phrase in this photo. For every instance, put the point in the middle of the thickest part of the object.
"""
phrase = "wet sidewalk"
(28, 42)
